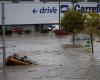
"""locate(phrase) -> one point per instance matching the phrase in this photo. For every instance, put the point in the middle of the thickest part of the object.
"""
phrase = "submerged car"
(18, 60)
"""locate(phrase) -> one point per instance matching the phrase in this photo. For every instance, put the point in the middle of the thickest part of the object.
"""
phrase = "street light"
(59, 14)
(3, 36)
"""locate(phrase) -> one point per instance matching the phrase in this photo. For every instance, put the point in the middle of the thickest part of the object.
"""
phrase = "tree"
(73, 21)
(92, 24)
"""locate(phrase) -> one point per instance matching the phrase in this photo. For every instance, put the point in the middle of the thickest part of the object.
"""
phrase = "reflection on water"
(54, 61)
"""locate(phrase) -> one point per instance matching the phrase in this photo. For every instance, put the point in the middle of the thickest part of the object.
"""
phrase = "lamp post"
(59, 14)
(3, 35)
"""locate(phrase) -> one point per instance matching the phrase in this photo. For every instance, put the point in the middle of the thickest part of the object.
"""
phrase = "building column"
(36, 27)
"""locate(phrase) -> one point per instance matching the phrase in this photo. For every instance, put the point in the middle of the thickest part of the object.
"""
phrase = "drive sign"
(33, 13)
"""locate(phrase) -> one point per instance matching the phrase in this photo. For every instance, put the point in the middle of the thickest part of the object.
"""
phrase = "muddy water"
(54, 61)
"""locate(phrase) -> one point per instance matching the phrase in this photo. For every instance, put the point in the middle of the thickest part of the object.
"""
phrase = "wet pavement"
(55, 62)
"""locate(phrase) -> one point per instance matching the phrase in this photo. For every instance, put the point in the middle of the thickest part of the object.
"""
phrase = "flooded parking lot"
(55, 62)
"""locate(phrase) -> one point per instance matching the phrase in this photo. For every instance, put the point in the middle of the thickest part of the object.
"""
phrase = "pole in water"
(3, 36)
(92, 44)
(59, 15)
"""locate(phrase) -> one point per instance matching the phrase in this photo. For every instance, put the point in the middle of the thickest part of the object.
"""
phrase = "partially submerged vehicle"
(60, 32)
(17, 60)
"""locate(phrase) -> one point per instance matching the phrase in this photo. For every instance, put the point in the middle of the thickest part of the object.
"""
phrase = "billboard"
(41, 13)
(34, 13)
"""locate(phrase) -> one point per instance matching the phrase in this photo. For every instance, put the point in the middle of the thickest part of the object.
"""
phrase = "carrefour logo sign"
(87, 8)
(63, 8)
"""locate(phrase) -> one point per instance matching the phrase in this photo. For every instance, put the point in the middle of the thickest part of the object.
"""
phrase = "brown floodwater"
(55, 62)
